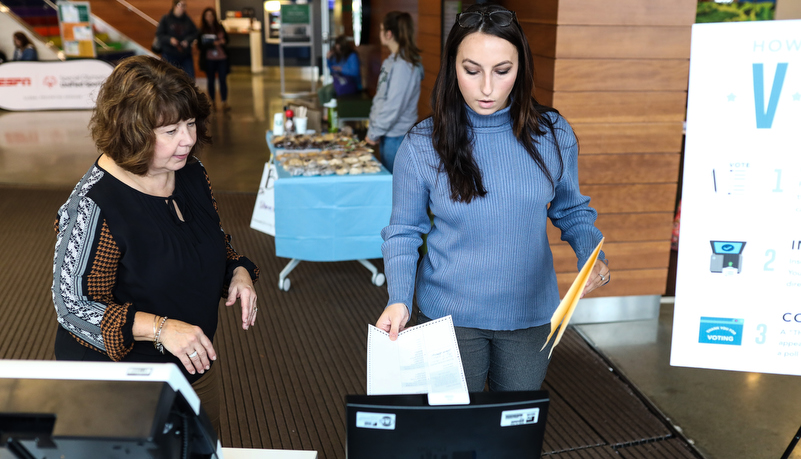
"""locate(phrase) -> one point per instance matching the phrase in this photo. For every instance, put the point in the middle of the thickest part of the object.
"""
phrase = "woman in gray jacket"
(394, 109)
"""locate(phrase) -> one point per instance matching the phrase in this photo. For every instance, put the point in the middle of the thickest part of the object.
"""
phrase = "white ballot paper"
(423, 360)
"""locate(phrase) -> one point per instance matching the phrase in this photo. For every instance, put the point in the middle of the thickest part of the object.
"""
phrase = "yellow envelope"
(565, 310)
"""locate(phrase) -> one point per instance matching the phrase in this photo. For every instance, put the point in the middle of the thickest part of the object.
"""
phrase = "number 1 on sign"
(778, 188)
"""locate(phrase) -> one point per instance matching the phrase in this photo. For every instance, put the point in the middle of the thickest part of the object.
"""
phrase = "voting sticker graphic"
(719, 330)
(727, 257)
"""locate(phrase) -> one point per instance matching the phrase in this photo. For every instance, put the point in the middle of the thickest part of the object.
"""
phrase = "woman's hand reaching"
(242, 287)
(393, 320)
(600, 276)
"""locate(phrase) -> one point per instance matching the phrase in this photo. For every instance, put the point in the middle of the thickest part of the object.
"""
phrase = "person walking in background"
(141, 259)
(394, 109)
(23, 48)
(213, 46)
(176, 33)
(345, 67)
(493, 165)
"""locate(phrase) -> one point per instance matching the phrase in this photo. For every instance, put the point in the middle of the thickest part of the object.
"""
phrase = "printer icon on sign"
(727, 257)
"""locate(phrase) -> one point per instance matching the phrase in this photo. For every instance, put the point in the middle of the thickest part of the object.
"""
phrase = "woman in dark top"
(213, 46)
(141, 258)
(175, 34)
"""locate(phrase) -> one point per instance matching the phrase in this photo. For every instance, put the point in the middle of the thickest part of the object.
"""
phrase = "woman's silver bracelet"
(157, 336)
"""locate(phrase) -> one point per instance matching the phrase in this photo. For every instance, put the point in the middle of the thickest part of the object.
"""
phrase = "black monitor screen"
(495, 425)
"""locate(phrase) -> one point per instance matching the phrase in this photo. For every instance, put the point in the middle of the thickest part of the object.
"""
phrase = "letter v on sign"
(764, 118)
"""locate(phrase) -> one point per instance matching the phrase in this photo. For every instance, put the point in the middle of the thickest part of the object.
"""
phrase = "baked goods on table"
(325, 155)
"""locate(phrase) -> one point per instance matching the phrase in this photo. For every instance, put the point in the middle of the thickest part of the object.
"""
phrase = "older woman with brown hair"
(141, 259)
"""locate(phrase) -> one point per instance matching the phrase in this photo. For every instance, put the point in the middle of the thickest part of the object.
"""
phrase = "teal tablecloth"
(331, 218)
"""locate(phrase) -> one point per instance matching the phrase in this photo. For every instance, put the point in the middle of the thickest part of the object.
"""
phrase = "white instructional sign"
(738, 286)
(263, 218)
(51, 85)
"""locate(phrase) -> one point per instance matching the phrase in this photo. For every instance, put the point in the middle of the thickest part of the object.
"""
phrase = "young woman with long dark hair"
(493, 166)
(213, 46)
(23, 48)
(394, 108)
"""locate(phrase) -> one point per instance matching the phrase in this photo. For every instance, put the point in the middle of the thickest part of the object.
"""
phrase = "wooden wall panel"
(541, 38)
(613, 12)
(604, 138)
(429, 60)
(429, 78)
(612, 74)
(424, 104)
(429, 24)
(618, 106)
(633, 227)
(543, 11)
(429, 39)
(431, 8)
(657, 197)
(608, 42)
(632, 255)
(640, 168)
(617, 71)
(429, 43)
(625, 282)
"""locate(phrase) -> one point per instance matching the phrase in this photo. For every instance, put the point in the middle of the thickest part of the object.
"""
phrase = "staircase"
(122, 28)
(42, 18)
(134, 22)
(112, 44)
(138, 19)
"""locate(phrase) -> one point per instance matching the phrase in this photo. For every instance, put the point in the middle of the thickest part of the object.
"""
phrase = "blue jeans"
(219, 67)
(184, 63)
(389, 148)
(510, 360)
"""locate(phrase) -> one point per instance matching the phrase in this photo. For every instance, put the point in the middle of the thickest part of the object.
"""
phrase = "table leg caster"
(284, 285)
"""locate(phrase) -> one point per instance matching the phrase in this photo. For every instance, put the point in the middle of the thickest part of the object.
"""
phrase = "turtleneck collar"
(500, 119)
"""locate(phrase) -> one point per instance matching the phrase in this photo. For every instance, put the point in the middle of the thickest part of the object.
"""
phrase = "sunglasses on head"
(500, 18)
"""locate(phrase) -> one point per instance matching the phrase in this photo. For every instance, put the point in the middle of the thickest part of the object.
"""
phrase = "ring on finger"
(192, 355)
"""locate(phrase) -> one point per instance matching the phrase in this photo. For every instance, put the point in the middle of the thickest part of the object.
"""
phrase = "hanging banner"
(738, 286)
(77, 36)
(51, 85)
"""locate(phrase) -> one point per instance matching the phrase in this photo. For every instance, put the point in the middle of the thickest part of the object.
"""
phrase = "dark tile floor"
(727, 414)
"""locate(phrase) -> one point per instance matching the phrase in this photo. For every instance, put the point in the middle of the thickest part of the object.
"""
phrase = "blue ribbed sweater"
(488, 262)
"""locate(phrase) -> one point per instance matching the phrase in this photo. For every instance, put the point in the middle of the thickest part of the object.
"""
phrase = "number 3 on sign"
(761, 330)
